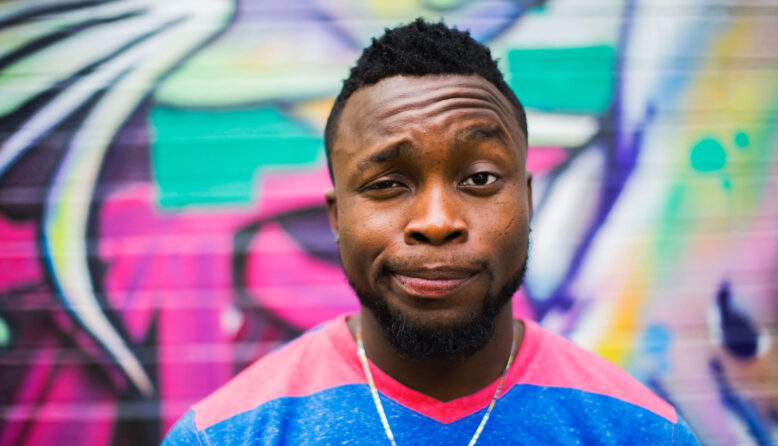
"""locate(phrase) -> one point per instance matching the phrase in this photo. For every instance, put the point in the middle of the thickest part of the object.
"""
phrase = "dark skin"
(431, 206)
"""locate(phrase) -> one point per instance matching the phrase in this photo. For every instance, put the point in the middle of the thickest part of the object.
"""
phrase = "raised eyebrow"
(394, 151)
(481, 133)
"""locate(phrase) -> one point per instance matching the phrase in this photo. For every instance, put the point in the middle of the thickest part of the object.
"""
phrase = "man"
(431, 205)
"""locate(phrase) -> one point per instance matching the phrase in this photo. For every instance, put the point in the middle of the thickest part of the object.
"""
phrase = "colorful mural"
(161, 197)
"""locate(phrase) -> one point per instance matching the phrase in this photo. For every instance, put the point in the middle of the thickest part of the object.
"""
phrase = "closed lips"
(433, 282)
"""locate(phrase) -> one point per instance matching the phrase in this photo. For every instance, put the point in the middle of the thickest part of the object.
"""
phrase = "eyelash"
(488, 174)
(383, 184)
(388, 184)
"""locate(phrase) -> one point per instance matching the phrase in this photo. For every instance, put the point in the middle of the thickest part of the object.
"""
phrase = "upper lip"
(438, 272)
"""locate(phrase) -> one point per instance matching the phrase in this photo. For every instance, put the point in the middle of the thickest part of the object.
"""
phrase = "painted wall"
(162, 220)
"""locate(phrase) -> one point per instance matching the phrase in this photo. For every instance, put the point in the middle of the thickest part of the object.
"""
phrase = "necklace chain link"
(380, 407)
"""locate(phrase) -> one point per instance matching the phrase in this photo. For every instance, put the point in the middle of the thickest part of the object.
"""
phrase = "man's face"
(431, 201)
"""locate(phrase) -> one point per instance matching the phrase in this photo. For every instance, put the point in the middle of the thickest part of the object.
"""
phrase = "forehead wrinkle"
(451, 96)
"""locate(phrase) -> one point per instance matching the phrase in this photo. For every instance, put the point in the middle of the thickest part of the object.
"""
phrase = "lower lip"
(429, 287)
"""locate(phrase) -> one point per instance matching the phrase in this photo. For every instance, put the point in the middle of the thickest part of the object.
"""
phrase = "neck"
(448, 379)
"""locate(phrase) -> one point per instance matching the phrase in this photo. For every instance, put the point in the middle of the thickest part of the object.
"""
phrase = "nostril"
(453, 236)
(419, 237)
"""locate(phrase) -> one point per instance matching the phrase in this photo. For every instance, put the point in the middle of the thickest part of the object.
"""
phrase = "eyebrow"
(404, 149)
(394, 151)
(479, 133)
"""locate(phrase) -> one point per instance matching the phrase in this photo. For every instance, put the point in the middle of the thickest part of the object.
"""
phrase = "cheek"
(503, 219)
(365, 235)
(505, 233)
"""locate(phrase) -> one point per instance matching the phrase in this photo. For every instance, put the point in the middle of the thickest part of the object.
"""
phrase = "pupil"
(480, 179)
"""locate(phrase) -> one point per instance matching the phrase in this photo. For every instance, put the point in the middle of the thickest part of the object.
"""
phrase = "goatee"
(457, 340)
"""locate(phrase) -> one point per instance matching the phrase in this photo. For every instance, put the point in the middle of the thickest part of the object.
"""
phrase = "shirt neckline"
(443, 411)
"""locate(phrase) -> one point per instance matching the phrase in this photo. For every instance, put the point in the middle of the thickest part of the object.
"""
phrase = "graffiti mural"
(162, 221)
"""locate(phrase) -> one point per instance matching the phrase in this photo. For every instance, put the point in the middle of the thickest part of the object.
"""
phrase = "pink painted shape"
(149, 249)
(19, 263)
(521, 307)
(286, 191)
(549, 360)
(542, 159)
(73, 410)
(281, 375)
(293, 285)
(173, 267)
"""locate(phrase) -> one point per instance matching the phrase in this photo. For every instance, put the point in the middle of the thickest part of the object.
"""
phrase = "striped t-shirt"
(314, 391)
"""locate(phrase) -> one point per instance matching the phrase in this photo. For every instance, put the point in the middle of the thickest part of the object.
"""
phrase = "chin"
(435, 333)
(436, 317)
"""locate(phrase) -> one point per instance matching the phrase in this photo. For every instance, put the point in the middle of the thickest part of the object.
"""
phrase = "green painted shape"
(708, 155)
(675, 222)
(443, 5)
(5, 334)
(568, 80)
(742, 140)
(213, 157)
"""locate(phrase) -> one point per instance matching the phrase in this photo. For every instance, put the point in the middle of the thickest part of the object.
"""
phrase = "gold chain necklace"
(380, 407)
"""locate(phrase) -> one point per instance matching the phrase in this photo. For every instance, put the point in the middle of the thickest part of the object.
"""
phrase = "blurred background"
(162, 220)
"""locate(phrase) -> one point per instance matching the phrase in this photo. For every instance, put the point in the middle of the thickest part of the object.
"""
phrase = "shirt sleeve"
(184, 432)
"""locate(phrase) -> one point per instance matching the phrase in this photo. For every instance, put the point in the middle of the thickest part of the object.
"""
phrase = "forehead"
(401, 107)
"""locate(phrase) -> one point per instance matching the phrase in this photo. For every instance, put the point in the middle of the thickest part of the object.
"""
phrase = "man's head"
(419, 49)
(431, 201)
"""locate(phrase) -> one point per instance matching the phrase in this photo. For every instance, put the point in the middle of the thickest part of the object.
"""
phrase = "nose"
(436, 219)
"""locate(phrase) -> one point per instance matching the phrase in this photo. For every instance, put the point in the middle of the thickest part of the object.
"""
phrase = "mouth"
(433, 282)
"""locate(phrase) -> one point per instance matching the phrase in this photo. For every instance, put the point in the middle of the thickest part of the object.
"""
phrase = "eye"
(480, 179)
(383, 184)
(383, 189)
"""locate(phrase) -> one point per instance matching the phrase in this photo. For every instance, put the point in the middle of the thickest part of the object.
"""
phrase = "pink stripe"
(283, 373)
(445, 412)
(544, 359)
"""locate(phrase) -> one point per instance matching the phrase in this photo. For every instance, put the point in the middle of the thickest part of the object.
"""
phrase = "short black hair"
(417, 49)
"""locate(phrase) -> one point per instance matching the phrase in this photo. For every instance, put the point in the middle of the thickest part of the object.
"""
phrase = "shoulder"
(557, 362)
(311, 363)
(591, 396)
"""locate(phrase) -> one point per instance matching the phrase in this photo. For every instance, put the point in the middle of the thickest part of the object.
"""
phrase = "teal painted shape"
(5, 334)
(566, 80)
(708, 155)
(213, 157)
(742, 140)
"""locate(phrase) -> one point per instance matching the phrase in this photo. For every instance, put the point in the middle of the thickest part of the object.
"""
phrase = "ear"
(332, 210)
(528, 175)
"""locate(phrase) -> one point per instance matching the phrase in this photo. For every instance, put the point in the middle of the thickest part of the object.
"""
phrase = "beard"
(457, 340)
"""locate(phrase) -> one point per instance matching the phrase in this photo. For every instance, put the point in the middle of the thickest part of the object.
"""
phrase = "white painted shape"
(14, 37)
(78, 173)
(560, 130)
(561, 222)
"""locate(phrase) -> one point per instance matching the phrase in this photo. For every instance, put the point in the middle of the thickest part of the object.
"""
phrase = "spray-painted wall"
(161, 207)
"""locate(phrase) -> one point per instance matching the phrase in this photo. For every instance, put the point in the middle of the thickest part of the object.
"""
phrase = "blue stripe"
(525, 415)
